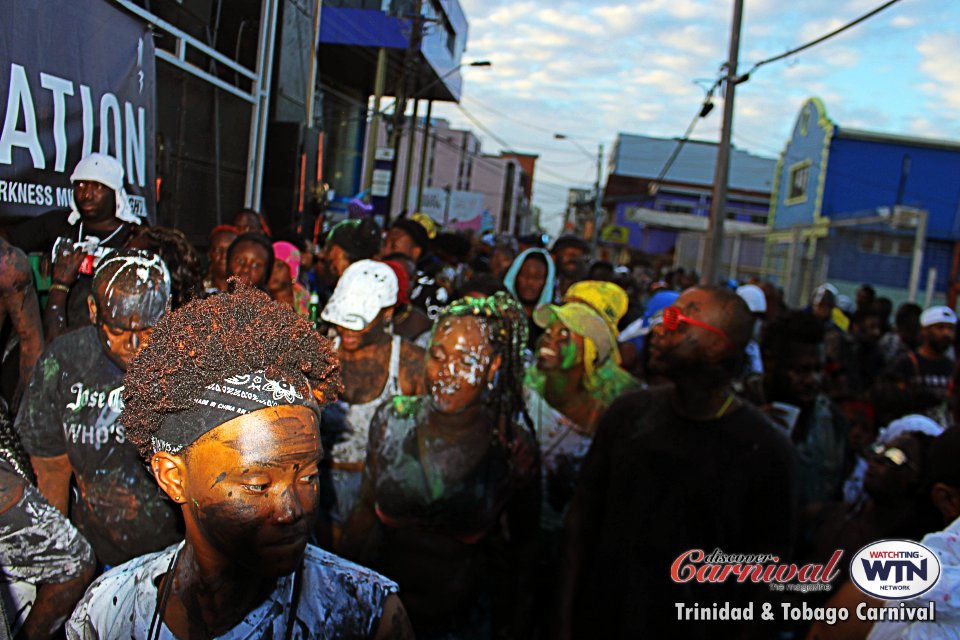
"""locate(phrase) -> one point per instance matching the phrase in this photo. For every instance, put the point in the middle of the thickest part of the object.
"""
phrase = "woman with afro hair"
(224, 405)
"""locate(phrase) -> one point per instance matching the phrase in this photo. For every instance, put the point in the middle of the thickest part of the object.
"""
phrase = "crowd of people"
(419, 432)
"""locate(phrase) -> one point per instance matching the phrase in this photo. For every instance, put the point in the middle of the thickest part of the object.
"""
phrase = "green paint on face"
(569, 353)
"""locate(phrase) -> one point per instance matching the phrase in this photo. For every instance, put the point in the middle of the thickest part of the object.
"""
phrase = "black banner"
(76, 77)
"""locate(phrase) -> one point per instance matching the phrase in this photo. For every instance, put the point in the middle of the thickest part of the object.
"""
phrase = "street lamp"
(597, 208)
(436, 81)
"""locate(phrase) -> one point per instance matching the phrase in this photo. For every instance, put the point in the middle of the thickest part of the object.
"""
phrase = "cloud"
(939, 53)
(903, 22)
(592, 68)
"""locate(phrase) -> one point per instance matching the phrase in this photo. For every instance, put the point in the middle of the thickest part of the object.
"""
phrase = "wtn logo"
(903, 570)
(895, 569)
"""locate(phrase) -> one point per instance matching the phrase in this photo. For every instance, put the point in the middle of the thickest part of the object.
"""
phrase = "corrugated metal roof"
(644, 157)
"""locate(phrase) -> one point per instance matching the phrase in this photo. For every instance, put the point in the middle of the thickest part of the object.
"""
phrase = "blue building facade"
(827, 172)
(634, 192)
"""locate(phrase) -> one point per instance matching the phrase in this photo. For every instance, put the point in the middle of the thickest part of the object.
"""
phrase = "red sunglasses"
(672, 319)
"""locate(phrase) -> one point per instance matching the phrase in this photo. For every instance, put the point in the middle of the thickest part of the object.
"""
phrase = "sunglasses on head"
(893, 455)
(671, 318)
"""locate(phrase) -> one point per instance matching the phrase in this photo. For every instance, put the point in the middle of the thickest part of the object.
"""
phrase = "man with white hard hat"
(99, 220)
(925, 376)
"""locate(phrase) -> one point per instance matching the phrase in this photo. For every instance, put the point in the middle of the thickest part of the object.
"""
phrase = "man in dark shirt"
(68, 420)
(688, 466)
(99, 221)
(100, 213)
(923, 379)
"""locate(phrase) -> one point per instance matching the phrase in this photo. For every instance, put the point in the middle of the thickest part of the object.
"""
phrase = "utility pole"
(718, 209)
(597, 205)
(422, 176)
(411, 70)
(408, 163)
(378, 86)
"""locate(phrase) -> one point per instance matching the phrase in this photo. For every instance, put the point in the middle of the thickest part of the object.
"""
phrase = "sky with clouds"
(593, 68)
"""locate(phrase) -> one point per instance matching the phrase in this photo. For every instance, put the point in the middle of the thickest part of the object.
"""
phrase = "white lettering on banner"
(122, 128)
(19, 98)
(109, 105)
(64, 196)
(60, 88)
(26, 193)
(86, 103)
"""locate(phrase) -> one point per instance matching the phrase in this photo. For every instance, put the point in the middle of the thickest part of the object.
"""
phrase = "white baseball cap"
(754, 297)
(366, 287)
(937, 315)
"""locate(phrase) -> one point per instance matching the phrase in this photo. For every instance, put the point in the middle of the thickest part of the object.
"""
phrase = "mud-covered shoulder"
(15, 271)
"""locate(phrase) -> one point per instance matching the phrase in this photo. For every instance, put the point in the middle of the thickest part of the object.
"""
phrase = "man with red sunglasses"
(674, 468)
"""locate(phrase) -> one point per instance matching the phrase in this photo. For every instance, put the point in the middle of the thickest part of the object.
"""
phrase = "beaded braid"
(506, 327)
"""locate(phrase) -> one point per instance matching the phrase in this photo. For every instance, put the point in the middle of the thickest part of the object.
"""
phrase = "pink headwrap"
(288, 252)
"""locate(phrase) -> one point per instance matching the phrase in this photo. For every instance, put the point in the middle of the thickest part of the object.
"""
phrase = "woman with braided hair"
(449, 499)
(224, 405)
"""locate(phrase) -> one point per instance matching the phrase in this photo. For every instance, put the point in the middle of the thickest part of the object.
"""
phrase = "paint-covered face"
(248, 261)
(374, 332)
(531, 278)
(95, 201)
(123, 338)
(250, 489)
(217, 253)
(124, 322)
(247, 222)
(399, 241)
(460, 363)
(559, 349)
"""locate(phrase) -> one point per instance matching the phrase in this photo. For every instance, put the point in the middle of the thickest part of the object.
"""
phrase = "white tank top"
(358, 416)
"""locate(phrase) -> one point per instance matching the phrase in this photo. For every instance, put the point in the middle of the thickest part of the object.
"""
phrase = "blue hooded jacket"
(510, 280)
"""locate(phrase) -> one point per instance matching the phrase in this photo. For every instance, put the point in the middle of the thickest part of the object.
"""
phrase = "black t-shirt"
(655, 485)
(933, 377)
(71, 407)
(40, 233)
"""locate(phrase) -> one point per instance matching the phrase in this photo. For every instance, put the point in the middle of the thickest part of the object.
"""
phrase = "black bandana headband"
(223, 401)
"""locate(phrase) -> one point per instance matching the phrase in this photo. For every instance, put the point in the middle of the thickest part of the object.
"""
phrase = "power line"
(817, 41)
(506, 146)
(704, 109)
